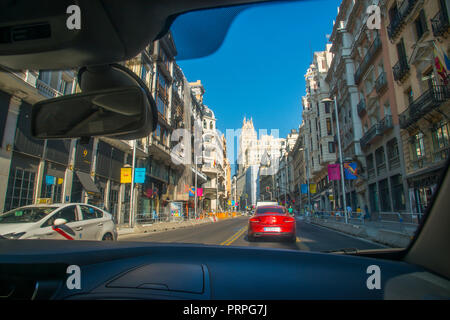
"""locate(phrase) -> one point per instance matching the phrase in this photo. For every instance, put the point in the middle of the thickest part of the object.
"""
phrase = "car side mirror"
(59, 222)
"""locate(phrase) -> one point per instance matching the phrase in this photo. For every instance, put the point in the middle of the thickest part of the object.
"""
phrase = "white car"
(71, 221)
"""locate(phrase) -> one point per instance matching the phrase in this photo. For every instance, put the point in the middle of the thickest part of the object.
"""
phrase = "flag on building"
(334, 172)
(199, 192)
(351, 171)
(440, 68)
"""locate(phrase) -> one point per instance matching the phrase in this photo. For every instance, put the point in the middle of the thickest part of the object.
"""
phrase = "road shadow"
(273, 242)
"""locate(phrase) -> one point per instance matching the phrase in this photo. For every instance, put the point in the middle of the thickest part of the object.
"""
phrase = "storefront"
(422, 188)
(27, 152)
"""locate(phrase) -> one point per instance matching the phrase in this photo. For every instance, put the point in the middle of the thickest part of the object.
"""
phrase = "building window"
(144, 72)
(441, 141)
(329, 127)
(161, 106)
(418, 147)
(211, 126)
(409, 96)
(393, 154)
(331, 148)
(385, 200)
(21, 186)
(370, 166)
(53, 191)
(398, 196)
(380, 160)
(204, 124)
(327, 107)
(421, 25)
(65, 87)
(373, 197)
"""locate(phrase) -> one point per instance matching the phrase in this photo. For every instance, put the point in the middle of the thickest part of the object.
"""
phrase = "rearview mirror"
(123, 111)
(59, 222)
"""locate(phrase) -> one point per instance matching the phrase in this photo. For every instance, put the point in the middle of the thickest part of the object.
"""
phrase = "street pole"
(217, 189)
(195, 195)
(307, 179)
(132, 217)
(340, 159)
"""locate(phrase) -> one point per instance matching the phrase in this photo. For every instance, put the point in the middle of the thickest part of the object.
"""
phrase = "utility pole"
(307, 178)
(132, 213)
(195, 195)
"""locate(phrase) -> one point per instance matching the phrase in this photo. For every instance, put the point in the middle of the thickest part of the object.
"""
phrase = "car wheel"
(108, 237)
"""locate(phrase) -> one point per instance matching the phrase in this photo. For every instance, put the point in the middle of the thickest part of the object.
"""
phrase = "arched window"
(204, 124)
(211, 125)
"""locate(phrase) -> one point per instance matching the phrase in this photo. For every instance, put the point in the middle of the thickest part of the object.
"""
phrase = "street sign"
(139, 175)
(125, 175)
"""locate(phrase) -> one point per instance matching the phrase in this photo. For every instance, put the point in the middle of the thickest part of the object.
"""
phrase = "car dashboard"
(39, 269)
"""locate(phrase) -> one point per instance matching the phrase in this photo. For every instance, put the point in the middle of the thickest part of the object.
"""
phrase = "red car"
(272, 221)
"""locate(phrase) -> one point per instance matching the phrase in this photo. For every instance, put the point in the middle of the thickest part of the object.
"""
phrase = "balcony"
(385, 124)
(46, 90)
(361, 107)
(429, 100)
(398, 21)
(374, 48)
(440, 24)
(370, 135)
(381, 83)
(441, 154)
(401, 69)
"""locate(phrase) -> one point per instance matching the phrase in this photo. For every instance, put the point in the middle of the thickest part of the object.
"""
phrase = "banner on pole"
(304, 188)
(351, 170)
(125, 175)
(139, 175)
(334, 172)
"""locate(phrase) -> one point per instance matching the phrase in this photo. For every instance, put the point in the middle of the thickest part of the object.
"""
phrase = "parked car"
(71, 221)
(272, 221)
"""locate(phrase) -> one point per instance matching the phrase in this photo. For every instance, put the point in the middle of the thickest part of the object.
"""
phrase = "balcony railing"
(381, 83)
(374, 131)
(419, 163)
(376, 45)
(441, 155)
(428, 101)
(46, 90)
(440, 23)
(399, 20)
(361, 107)
(401, 69)
(385, 124)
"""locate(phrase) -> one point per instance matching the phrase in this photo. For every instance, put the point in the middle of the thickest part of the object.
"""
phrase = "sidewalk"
(393, 234)
(163, 226)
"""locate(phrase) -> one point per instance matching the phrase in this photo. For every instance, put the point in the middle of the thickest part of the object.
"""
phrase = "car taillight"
(254, 220)
(289, 220)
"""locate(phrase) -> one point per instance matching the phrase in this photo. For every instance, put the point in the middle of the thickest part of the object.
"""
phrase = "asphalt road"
(233, 232)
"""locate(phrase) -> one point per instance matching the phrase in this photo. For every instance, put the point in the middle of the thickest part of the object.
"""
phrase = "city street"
(234, 232)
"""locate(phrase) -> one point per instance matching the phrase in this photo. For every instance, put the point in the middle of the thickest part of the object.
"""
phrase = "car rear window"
(271, 210)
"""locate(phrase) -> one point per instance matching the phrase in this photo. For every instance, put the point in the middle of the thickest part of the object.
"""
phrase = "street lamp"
(338, 133)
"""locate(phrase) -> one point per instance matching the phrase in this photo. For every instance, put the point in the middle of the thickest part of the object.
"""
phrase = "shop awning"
(87, 182)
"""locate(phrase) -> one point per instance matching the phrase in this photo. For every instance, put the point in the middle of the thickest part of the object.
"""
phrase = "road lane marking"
(235, 236)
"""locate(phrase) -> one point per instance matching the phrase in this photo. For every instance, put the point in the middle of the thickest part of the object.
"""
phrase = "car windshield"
(336, 111)
(26, 215)
(272, 210)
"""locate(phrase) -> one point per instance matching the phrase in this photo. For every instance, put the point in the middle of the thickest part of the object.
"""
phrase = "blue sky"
(259, 69)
